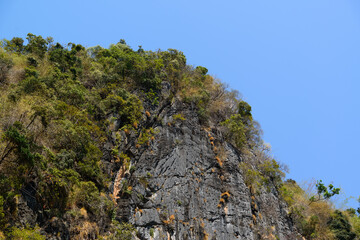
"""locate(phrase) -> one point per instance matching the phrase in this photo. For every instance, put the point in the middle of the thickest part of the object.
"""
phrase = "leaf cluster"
(323, 192)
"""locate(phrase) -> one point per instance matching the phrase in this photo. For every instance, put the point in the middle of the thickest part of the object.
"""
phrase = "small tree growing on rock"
(323, 192)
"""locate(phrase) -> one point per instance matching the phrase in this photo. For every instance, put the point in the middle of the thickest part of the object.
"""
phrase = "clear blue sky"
(296, 62)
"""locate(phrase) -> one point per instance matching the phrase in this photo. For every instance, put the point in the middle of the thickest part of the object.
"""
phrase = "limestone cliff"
(185, 183)
(116, 143)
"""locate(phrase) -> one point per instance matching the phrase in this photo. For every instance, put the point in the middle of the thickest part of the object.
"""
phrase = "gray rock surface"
(180, 189)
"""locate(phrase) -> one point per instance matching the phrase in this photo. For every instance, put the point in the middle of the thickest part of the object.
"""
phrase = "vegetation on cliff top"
(57, 104)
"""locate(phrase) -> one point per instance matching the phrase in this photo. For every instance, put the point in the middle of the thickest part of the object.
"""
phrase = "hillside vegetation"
(58, 106)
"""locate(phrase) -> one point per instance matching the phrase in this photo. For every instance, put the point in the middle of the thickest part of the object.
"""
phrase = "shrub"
(5, 64)
(32, 84)
(341, 227)
(21, 142)
(122, 230)
(89, 165)
(127, 106)
(72, 93)
(55, 186)
(271, 171)
(355, 223)
(179, 117)
(26, 234)
(150, 84)
(265, 174)
(2, 214)
(313, 219)
(290, 191)
(235, 130)
(146, 136)
(253, 178)
(85, 194)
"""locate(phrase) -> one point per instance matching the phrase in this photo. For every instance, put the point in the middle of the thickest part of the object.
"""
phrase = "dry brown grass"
(225, 194)
(170, 220)
(322, 210)
(86, 230)
(219, 161)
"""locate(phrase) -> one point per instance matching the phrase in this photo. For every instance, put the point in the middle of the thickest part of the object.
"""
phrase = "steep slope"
(187, 184)
(114, 143)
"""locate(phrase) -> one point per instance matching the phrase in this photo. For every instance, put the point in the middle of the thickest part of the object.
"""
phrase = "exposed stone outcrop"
(187, 184)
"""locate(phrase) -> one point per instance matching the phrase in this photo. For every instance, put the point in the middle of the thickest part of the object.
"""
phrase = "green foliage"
(122, 231)
(152, 97)
(355, 223)
(21, 143)
(32, 85)
(145, 136)
(309, 228)
(289, 191)
(150, 83)
(60, 112)
(152, 230)
(265, 174)
(89, 166)
(125, 188)
(252, 177)
(9, 190)
(125, 160)
(31, 72)
(316, 220)
(32, 62)
(202, 70)
(178, 116)
(5, 64)
(55, 187)
(2, 214)
(244, 109)
(85, 194)
(72, 93)
(341, 227)
(127, 107)
(16, 44)
(65, 159)
(26, 234)
(236, 130)
(67, 60)
(36, 45)
(241, 127)
(271, 170)
(323, 192)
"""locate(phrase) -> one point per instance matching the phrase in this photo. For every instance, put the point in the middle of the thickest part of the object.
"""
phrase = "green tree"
(18, 143)
(244, 109)
(16, 44)
(36, 45)
(341, 227)
(241, 127)
(202, 70)
(323, 192)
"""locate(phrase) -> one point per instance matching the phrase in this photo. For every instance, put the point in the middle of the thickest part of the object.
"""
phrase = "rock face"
(186, 184)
